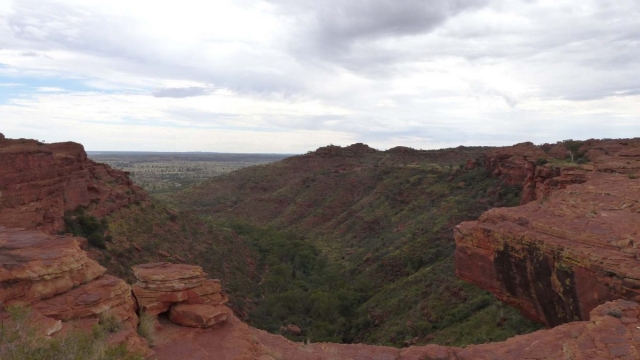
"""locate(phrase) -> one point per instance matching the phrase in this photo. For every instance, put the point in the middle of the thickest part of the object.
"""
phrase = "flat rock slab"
(164, 276)
(200, 316)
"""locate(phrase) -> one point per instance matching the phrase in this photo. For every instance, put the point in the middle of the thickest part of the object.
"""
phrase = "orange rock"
(201, 316)
(40, 182)
(162, 284)
(37, 266)
(43, 325)
(168, 277)
(105, 294)
(559, 258)
(611, 333)
(294, 329)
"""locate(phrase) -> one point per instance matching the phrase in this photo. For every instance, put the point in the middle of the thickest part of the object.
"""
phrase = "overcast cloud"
(289, 76)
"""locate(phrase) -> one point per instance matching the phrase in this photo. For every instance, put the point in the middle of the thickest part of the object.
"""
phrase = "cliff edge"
(572, 246)
(40, 182)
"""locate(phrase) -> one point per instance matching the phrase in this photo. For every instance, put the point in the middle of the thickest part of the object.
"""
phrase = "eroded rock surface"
(613, 332)
(183, 290)
(62, 288)
(35, 266)
(198, 315)
(40, 182)
(106, 293)
(571, 249)
(543, 169)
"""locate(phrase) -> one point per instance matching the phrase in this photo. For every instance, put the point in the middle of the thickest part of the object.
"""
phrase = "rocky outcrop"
(40, 182)
(183, 290)
(613, 332)
(36, 266)
(104, 294)
(63, 288)
(541, 169)
(198, 315)
(559, 257)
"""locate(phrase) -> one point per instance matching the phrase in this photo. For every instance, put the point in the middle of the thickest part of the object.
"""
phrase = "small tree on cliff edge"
(572, 146)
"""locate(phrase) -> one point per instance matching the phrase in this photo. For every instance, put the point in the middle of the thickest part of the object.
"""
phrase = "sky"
(289, 76)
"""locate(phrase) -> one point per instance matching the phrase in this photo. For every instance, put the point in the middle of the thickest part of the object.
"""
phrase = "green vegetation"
(161, 173)
(573, 147)
(382, 222)
(80, 224)
(19, 340)
(350, 247)
(300, 287)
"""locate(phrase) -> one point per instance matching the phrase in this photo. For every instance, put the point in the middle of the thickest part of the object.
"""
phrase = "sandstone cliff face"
(526, 165)
(40, 182)
(63, 287)
(559, 257)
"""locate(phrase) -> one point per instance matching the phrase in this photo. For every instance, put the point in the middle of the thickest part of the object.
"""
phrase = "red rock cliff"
(40, 182)
(572, 249)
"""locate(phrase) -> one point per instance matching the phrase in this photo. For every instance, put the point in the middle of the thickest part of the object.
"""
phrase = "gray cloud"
(181, 92)
(440, 64)
(347, 32)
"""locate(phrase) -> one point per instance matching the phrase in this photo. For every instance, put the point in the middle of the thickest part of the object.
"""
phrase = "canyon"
(566, 257)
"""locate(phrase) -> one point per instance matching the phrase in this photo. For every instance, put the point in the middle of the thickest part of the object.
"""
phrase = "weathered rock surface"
(613, 332)
(62, 287)
(40, 182)
(526, 164)
(191, 299)
(559, 257)
(166, 276)
(201, 316)
(104, 294)
(35, 266)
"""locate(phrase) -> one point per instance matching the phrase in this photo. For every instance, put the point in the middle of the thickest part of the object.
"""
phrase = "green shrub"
(81, 224)
(541, 161)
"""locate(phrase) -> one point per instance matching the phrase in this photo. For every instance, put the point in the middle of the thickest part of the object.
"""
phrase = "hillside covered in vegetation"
(355, 245)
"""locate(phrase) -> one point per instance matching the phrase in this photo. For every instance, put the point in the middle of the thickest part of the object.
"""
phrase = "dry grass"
(19, 340)
(147, 327)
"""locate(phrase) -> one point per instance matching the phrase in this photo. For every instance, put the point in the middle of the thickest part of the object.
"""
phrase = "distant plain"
(159, 172)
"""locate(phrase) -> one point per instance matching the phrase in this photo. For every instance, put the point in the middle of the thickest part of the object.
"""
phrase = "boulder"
(161, 285)
(200, 316)
(166, 276)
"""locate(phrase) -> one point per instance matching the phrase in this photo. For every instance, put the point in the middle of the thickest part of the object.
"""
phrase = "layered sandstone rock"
(198, 315)
(613, 332)
(35, 266)
(62, 288)
(104, 294)
(558, 258)
(183, 290)
(40, 182)
(543, 169)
